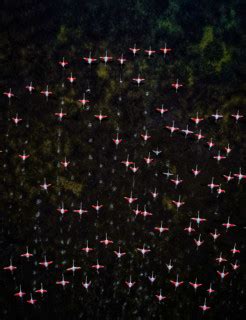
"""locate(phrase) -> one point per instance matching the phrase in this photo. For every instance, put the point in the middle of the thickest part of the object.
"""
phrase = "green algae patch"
(207, 38)
(72, 186)
(102, 71)
(62, 36)
(226, 57)
(167, 203)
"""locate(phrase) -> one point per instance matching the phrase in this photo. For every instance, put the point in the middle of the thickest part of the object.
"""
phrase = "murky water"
(96, 175)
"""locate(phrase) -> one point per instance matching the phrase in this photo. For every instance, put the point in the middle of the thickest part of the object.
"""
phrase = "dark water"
(207, 58)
